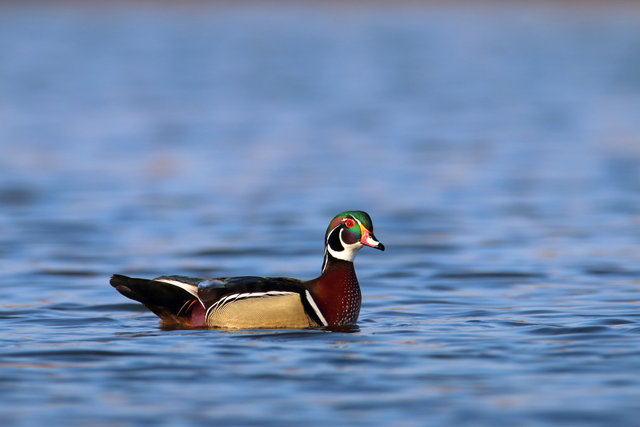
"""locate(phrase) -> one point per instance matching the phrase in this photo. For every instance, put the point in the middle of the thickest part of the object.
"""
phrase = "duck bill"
(368, 239)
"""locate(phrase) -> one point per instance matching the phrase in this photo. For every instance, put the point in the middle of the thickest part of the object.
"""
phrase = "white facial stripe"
(349, 252)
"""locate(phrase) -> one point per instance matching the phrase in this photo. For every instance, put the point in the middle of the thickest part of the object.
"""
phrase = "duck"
(331, 300)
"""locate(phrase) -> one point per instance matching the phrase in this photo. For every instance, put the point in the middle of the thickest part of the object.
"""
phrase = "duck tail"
(170, 301)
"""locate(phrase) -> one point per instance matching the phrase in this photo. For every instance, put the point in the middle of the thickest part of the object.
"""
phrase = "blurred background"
(496, 145)
(228, 108)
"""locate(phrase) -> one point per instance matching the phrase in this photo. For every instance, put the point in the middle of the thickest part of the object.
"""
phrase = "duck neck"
(337, 292)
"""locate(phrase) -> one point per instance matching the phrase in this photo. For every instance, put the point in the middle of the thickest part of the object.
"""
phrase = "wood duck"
(331, 300)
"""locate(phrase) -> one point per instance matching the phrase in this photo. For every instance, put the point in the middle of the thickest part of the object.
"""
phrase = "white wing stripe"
(316, 309)
(234, 297)
(192, 289)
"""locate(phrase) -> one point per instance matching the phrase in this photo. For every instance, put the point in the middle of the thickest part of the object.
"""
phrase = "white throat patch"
(350, 250)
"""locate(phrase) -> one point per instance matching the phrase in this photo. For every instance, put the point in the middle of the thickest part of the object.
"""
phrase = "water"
(497, 149)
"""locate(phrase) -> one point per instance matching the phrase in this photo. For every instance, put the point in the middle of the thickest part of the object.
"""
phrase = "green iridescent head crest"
(361, 216)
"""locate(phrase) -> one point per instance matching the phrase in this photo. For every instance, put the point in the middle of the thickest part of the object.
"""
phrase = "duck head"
(348, 232)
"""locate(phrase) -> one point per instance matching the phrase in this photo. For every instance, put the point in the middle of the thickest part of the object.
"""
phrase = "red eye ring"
(349, 223)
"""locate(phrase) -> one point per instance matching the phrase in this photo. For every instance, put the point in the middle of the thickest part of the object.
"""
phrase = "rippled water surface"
(496, 148)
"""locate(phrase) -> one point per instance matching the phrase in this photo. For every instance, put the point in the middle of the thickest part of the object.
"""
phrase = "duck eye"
(349, 223)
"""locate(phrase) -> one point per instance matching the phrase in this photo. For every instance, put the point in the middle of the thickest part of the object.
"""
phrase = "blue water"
(496, 147)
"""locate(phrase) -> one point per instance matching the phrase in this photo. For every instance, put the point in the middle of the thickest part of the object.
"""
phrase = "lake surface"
(496, 148)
